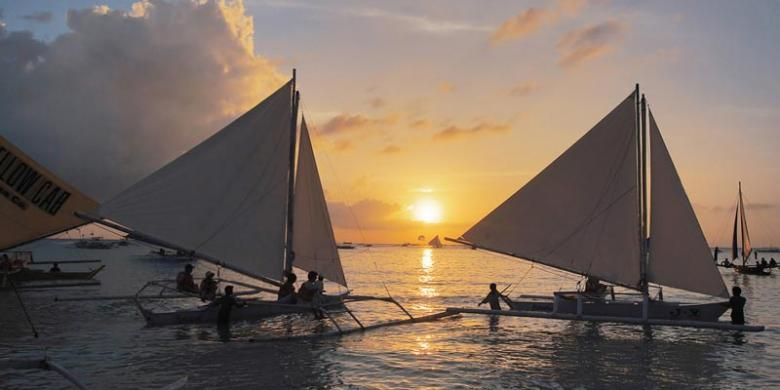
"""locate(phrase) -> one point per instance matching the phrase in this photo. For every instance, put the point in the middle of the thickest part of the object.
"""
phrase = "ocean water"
(107, 345)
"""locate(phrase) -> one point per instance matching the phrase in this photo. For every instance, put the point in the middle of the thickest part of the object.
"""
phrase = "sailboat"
(435, 242)
(587, 213)
(243, 201)
(35, 204)
(740, 226)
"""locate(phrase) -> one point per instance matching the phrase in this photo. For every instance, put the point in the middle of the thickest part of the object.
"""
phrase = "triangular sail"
(226, 198)
(435, 242)
(746, 246)
(314, 244)
(734, 240)
(580, 213)
(679, 253)
(34, 203)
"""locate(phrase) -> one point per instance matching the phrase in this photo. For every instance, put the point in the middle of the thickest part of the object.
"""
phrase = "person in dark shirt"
(184, 280)
(226, 303)
(493, 298)
(772, 263)
(55, 268)
(286, 292)
(208, 287)
(310, 289)
(737, 304)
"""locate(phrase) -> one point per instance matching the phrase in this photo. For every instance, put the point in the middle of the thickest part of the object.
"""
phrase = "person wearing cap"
(208, 287)
(185, 282)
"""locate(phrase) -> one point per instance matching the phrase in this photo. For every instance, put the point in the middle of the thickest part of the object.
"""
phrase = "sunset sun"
(427, 210)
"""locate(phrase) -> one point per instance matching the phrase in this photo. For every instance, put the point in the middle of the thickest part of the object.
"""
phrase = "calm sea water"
(107, 345)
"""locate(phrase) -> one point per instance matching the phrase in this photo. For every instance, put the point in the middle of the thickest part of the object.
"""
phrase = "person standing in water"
(737, 305)
(226, 303)
(493, 298)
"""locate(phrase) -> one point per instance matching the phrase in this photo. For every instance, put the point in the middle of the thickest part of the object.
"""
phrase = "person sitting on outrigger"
(493, 298)
(310, 289)
(55, 268)
(184, 280)
(764, 263)
(208, 287)
(593, 286)
(286, 292)
(772, 263)
(226, 303)
(726, 263)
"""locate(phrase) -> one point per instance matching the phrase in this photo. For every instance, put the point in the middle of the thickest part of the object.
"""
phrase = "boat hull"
(32, 275)
(659, 310)
(254, 310)
(752, 270)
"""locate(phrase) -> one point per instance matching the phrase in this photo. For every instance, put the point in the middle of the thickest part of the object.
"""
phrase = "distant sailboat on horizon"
(742, 234)
(435, 242)
(587, 213)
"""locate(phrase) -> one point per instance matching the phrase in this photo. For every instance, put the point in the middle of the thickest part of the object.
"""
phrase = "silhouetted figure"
(286, 292)
(226, 303)
(726, 263)
(764, 263)
(493, 298)
(593, 286)
(310, 289)
(55, 268)
(772, 262)
(184, 280)
(737, 304)
(208, 287)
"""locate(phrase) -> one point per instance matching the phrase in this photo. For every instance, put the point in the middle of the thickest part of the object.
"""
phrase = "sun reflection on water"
(426, 277)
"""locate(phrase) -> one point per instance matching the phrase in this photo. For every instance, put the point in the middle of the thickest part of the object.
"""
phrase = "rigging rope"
(24, 308)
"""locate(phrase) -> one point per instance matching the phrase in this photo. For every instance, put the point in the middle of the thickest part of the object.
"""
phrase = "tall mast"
(289, 256)
(741, 213)
(645, 211)
(640, 186)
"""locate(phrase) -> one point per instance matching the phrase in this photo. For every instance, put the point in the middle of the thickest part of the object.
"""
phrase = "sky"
(425, 115)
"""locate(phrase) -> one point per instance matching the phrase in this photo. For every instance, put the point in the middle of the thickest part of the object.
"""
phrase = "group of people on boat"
(310, 291)
(207, 290)
(760, 264)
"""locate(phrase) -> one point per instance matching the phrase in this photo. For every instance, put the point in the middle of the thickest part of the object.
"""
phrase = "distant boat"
(93, 243)
(16, 266)
(587, 213)
(345, 245)
(435, 242)
(741, 233)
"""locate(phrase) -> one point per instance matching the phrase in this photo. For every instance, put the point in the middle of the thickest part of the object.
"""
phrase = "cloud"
(377, 102)
(524, 89)
(343, 145)
(522, 24)
(345, 123)
(446, 87)
(453, 132)
(39, 17)
(587, 43)
(390, 149)
(420, 124)
(123, 92)
(532, 19)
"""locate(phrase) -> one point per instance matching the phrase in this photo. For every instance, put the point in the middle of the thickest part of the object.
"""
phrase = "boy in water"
(737, 304)
(226, 303)
(493, 297)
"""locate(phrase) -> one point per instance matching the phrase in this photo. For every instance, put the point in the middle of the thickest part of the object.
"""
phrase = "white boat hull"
(658, 310)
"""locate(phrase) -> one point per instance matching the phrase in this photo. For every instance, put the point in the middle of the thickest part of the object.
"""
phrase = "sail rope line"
(315, 131)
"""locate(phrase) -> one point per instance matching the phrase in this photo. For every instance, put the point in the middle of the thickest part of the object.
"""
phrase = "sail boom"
(140, 236)
(520, 257)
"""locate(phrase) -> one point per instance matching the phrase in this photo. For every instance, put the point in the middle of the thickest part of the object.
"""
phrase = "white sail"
(313, 243)
(34, 203)
(679, 253)
(435, 242)
(580, 213)
(226, 198)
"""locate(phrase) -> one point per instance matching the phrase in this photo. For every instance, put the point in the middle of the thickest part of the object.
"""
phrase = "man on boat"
(310, 290)
(286, 292)
(226, 303)
(208, 287)
(492, 298)
(55, 268)
(726, 263)
(737, 304)
(594, 287)
(772, 263)
(184, 280)
(764, 263)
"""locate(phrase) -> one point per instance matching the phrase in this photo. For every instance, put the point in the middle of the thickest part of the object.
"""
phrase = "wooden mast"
(289, 254)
